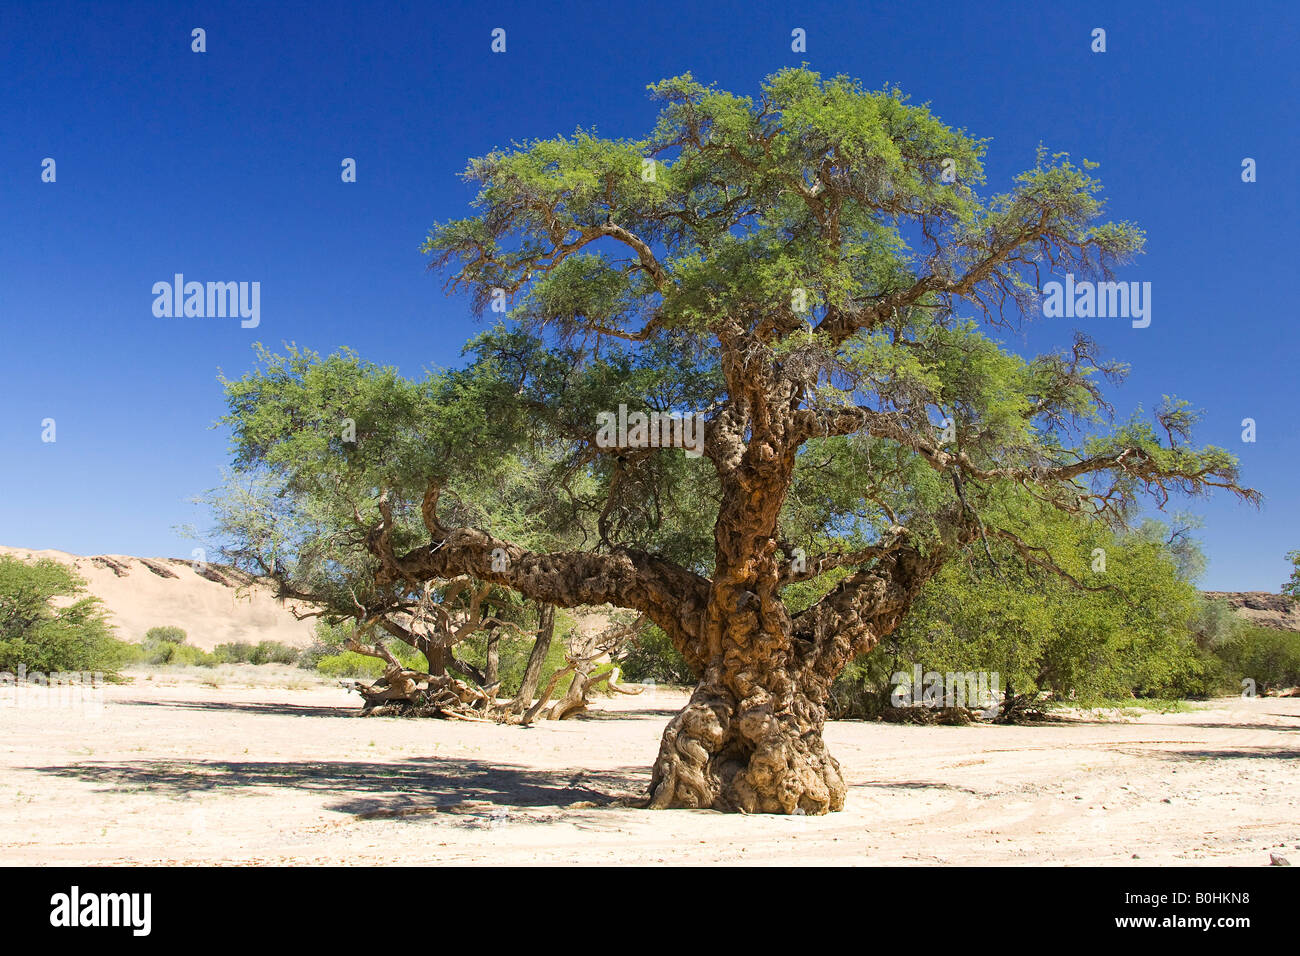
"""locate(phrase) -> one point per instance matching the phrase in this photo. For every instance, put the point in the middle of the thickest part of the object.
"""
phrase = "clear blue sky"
(225, 166)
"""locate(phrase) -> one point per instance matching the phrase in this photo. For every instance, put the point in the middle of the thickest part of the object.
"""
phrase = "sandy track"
(171, 770)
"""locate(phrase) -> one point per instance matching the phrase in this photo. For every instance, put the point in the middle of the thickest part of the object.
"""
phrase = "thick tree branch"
(671, 596)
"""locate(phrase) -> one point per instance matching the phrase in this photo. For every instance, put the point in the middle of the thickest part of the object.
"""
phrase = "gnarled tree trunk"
(751, 742)
(750, 739)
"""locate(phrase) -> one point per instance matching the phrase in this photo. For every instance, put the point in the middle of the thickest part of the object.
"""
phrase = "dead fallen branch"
(404, 692)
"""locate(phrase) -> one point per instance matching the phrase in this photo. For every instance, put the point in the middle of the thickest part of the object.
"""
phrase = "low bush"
(164, 635)
(310, 656)
(237, 652)
(158, 653)
(350, 664)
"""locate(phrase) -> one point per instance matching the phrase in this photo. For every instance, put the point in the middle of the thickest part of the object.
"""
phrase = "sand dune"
(214, 606)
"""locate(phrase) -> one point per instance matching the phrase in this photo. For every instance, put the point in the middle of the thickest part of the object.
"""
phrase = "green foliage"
(166, 646)
(652, 657)
(513, 650)
(311, 655)
(182, 655)
(164, 635)
(328, 640)
(513, 654)
(264, 652)
(274, 652)
(863, 688)
(1292, 586)
(236, 652)
(1129, 635)
(331, 660)
(1265, 655)
(1214, 623)
(350, 664)
(47, 623)
(176, 655)
(1153, 638)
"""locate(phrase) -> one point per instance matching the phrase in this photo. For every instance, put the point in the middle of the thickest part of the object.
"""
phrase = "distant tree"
(1292, 586)
(1268, 658)
(48, 623)
(165, 635)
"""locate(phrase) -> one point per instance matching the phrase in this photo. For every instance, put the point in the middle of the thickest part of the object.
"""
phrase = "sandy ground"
(174, 770)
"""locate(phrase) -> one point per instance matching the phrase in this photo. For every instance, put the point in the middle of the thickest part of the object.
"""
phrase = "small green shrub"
(329, 642)
(164, 635)
(177, 655)
(185, 656)
(236, 652)
(350, 664)
(274, 652)
(166, 645)
(310, 656)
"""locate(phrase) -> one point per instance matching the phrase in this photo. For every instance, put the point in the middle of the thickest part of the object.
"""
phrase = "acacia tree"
(808, 271)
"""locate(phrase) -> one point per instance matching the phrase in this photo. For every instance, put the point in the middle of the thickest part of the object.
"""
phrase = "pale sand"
(173, 771)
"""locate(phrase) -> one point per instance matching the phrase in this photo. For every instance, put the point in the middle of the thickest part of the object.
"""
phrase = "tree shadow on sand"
(1267, 728)
(663, 712)
(250, 707)
(376, 790)
(1236, 753)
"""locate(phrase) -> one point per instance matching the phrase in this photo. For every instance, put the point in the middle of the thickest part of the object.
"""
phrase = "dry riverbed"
(266, 766)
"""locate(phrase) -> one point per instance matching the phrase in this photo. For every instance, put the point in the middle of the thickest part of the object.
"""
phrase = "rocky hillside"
(214, 605)
(1262, 608)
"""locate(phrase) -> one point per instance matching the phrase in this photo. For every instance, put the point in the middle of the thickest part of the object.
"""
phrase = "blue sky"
(225, 166)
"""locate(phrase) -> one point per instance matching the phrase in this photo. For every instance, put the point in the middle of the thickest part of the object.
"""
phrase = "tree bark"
(493, 665)
(762, 752)
(536, 658)
(750, 739)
